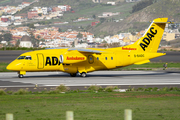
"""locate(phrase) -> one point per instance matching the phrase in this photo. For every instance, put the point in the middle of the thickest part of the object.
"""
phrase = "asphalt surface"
(123, 79)
(10, 55)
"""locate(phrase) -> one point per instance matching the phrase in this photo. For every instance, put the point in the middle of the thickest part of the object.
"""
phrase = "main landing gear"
(83, 74)
(73, 74)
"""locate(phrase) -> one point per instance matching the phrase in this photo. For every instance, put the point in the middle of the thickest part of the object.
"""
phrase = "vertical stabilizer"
(152, 37)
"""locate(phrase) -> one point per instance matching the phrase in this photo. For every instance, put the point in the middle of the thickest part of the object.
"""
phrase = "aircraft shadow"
(124, 75)
(65, 75)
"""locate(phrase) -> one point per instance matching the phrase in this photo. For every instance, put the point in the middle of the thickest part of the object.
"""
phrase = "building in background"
(26, 42)
(32, 14)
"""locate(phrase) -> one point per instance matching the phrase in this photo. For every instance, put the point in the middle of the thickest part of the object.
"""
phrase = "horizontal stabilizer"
(142, 62)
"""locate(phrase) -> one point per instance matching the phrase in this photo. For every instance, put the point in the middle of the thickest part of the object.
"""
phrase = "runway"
(10, 55)
(123, 79)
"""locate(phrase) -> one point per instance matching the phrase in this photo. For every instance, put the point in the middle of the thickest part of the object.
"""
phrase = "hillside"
(132, 22)
(13, 2)
(84, 8)
(174, 43)
(140, 20)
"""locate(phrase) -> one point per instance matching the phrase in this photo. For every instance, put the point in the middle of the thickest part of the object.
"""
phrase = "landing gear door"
(40, 63)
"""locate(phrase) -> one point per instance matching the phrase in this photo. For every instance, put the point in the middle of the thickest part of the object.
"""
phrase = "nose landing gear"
(20, 76)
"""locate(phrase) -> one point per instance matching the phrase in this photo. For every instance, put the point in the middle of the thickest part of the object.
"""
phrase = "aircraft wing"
(85, 50)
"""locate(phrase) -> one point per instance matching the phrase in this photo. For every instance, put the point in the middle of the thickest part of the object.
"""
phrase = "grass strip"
(151, 66)
(101, 105)
(3, 67)
(4, 1)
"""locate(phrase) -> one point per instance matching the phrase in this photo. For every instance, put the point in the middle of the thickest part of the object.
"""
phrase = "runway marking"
(118, 84)
(24, 86)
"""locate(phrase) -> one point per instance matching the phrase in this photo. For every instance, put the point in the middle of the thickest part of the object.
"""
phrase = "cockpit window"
(21, 57)
(28, 58)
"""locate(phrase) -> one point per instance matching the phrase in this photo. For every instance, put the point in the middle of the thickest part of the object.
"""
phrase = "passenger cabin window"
(97, 58)
(21, 57)
(111, 58)
(106, 58)
(28, 58)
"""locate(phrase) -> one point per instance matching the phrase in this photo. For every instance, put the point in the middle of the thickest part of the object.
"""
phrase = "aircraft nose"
(9, 67)
(14, 66)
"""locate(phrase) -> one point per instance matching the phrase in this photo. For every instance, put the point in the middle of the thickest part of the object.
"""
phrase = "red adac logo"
(128, 48)
(75, 58)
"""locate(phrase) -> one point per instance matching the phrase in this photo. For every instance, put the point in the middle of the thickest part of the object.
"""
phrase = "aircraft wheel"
(73, 74)
(83, 74)
(20, 76)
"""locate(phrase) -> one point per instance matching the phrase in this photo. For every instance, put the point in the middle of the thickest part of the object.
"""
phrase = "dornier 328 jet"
(73, 61)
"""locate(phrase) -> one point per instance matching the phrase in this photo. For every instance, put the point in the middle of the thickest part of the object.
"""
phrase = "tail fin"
(151, 39)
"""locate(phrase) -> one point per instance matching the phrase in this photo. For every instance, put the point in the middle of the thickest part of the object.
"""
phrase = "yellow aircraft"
(73, 61)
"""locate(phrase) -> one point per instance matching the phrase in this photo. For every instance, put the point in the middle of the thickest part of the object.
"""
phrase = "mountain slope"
(13, 2)
(140, 20)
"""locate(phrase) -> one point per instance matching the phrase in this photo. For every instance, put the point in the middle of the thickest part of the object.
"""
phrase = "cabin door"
(40, 61)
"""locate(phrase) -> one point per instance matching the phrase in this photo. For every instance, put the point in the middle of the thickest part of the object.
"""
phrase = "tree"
(81, 42)
(43, 40)
(40, 14)
(94, 16)
(104, 41)
(102, 20)
(17, 43)
(73, 44)
(133, 33)
(79, 35)
(38, 37)
(31, 26)
(173, 26)
(7, 37)
(59, 30)
(1, 37)
(141, 5)
(34, 41)
(47, 22)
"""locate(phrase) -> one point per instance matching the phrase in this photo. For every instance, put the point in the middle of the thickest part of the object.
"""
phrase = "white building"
(26, 42)
(5, 24)
(111, 3)
(63, 8)
(83, 45)
(132, 0)
(17, 17)
(17, 23)
(4, 42)
(45, 10)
